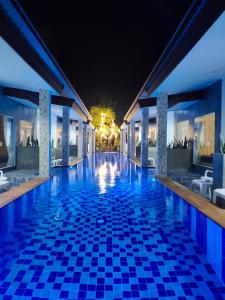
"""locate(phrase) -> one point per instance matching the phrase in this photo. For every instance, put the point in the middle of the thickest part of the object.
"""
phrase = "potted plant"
(180, 154)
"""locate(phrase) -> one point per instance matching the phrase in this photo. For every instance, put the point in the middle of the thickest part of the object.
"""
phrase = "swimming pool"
(104, 229)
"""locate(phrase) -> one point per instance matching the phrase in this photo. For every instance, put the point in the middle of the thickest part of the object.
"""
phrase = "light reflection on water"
(106, 173)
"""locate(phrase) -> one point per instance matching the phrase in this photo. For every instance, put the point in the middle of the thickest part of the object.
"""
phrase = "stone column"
(124, 141)
(93, 141)
(65, 136)
(132, 140)
(121, 141)
(84, 139)
(44, 133)
(80, 139)
(161, 148)
(144, 136)
(128, 139)
(223, 110)
(90, 140)
(218, 157)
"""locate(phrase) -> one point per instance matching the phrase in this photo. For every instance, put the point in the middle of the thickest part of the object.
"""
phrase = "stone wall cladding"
(65, 135)
(132, 140)
(85, 139)
(124, 141)
(80, 139)
(144, 136)
(161, 151)
(45, 133)
(128, 139)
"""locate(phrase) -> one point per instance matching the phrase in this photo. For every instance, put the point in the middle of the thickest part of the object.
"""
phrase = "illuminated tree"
(107, 132)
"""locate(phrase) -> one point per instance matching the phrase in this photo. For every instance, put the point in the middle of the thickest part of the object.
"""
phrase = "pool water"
(104, 229)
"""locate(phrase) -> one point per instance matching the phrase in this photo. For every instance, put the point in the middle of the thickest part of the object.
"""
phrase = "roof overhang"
(203, 19)
(26, 62)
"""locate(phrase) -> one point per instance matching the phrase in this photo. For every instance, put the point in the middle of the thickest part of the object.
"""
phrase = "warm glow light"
(103, 131)
(107, 173)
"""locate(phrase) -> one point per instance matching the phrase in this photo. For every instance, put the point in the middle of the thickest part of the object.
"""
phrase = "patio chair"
(2, 177)
(204, 184)
(206, 177)
(56, 162)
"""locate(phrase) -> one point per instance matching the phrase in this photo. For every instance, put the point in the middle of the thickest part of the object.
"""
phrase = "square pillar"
(93, 141)
(84, 139)
(90, 140)
(124, 141)
(44, 133)
(65, 136)
(218, 157)
(128, 139)
(161, 148)
(223, 110)
(144, 136)
(121, 141)
(132, 140)
(80, 139)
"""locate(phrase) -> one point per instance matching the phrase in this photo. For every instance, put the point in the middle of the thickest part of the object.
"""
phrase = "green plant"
(177, 144)
(222, 145)
(151, 143)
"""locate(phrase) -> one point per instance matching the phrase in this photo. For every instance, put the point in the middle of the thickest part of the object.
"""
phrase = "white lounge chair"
(56, 162)
(204, 184)
(220, 193)
(2, 177)
(3, 183)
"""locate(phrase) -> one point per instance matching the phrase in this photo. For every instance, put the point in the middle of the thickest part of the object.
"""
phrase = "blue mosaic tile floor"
(101, 230)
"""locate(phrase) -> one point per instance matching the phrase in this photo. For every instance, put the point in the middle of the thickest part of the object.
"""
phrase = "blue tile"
(201, 231)
(214, 245)
(141, 250)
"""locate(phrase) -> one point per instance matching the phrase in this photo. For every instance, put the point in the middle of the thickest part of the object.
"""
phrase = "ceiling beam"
(63, 101)
(21, 94)
(185, 97)
(147, 102)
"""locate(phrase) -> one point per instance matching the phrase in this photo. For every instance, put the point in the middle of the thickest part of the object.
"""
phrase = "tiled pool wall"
(209, 236)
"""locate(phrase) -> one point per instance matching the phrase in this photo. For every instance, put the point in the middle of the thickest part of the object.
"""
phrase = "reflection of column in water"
(85, 162)
(92, 165)
(6, 219)
(80, 170)
(72, 174)
(24, 204)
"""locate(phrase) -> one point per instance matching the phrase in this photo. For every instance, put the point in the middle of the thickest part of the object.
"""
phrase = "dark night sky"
(106, 45)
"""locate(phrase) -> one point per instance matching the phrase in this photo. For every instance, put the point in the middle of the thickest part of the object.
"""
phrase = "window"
(204, 139)
(26, 130)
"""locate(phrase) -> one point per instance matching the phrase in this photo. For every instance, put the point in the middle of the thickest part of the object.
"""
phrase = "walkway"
(101, 230)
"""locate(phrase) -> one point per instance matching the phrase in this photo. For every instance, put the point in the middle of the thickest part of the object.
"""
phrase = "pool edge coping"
(16, 192)
(213, 212)
(75, 162)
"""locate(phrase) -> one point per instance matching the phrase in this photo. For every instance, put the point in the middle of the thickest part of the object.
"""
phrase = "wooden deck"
(75, 162)
(136, 162)
(16, 192)
(200, 203)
